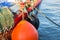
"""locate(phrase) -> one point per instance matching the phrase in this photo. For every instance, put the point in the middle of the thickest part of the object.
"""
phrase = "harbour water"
(47, 30)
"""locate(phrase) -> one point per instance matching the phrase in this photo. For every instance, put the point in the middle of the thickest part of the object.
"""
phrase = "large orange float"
(24, 31)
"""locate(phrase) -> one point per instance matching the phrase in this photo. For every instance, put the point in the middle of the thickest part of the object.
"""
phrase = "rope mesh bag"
(6, 23)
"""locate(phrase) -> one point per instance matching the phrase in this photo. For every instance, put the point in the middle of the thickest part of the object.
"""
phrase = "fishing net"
(6, 23)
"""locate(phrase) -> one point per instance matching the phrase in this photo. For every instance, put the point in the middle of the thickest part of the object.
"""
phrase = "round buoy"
(24, 31)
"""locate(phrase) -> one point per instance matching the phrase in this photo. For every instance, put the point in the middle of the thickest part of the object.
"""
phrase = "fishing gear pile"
(6, 20)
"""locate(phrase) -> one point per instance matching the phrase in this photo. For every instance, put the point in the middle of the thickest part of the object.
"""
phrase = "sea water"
(47, 30)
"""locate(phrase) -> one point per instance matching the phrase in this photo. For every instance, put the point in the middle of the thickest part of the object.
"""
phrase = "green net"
(6, 19)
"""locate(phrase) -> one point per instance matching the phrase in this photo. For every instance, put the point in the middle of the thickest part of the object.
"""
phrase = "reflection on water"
(47, 30)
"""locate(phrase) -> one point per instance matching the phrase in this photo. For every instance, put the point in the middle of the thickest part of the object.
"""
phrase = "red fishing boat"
(19, 17)
(23, 29)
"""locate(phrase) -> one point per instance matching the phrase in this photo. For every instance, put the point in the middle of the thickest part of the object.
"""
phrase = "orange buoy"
(24, 31)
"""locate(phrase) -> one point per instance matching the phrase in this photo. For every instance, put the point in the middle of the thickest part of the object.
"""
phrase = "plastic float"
(24, 31)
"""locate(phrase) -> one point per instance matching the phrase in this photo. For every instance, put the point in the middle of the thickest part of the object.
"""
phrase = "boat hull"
(19, 17)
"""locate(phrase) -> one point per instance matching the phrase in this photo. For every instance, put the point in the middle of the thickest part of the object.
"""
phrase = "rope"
(22, 15)
(47, 17)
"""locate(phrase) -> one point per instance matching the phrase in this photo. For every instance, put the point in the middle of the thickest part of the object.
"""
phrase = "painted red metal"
(19, 17)
(37, 3)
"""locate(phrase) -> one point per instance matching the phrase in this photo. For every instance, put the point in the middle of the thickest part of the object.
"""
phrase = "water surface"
(48, 30)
